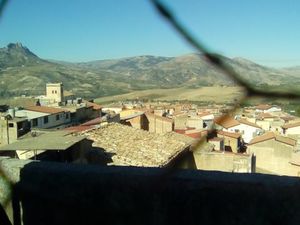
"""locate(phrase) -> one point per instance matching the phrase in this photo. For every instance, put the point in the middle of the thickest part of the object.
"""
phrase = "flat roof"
(55, 140)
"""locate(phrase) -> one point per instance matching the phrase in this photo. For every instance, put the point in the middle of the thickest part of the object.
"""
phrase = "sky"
(264, 31)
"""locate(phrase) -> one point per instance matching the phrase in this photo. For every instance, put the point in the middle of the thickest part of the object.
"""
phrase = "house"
(265, 108)
(248, 129)
(61, 146)
(273, 154)
(184, 121)
(207, 118)
(128, 146)
(159, 124)
(225, 161)
(291, 129)
(11, 128)
(44, 117)
(232, 141)
(135, 119)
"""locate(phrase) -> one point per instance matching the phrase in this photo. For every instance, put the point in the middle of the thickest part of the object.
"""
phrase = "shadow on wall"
(54, 193)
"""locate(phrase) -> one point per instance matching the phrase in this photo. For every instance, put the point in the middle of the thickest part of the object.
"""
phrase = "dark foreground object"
(68, 194)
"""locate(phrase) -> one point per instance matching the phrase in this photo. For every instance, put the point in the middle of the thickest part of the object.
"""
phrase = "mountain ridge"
(117, 76)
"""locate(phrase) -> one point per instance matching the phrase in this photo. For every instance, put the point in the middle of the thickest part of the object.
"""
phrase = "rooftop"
(271, 135)
(56, 140)
(134, 147)
(94, 105)
(291, 125)
(45, 109)
(263, 107)
(229, 134)
(226, 121)
(244, 121)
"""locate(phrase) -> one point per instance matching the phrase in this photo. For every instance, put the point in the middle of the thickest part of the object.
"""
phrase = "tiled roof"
(243, 121)
(95, 121)
(226, 121)
(204, 114)
(263, 107)
(45, 109)
(271, 135)
(265, 115)
(134, 147)
(261, 138)
(94, 105)
(291, 125)
(228, 134)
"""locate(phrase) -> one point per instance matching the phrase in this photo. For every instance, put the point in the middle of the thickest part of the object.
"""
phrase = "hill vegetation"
(24, 73)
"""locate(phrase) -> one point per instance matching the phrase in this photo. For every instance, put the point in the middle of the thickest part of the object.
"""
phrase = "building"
(247, 129)
(133, 118)
(265, 108)
(225, 161)
(128, 146)
(12, 128)
(61, 146)
(273, 154)
(55, 93)
(159, 124)
(232, 141)
(43, 117)
(291, 129)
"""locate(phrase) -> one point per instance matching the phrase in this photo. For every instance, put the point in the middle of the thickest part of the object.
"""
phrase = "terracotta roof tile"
(263, 107)
(226, 121)
(44, 109)
(271, 135)
(291, 125)
(228, 134)
(244, 121)
(94, 105)
(261, 138)
(134, 147)
(265, 115)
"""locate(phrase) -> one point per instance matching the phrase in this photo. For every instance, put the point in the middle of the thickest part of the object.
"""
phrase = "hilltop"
(23, 72)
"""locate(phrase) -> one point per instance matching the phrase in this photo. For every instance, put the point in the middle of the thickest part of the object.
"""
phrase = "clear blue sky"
(265, 31)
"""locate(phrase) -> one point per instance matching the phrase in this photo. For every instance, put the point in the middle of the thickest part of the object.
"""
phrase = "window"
(57, 117)
(11, 125)
(34, 122)
(52, 92)
(46, 119)
(55, 92)
(67, 115)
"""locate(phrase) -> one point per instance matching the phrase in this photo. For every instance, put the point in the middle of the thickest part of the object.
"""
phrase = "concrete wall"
(195, 122)
(233, 143)
(264, 124)
(227, 162)
(54, 120)
(272, 157)
(11, 130)
(292, 130)
(159, 125)
(248, 132)
(180, 122)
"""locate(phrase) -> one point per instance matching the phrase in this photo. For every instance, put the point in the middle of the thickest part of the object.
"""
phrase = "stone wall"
(273, 157)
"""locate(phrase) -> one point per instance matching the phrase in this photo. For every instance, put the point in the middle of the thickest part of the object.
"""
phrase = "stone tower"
(55, 92)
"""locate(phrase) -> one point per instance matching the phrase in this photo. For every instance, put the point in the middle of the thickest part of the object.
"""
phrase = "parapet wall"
(56, 193)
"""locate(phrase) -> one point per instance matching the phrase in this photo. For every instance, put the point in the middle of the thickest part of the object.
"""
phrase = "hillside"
(23, 72)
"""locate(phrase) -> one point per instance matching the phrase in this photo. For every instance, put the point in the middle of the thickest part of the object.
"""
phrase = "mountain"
(23, 72)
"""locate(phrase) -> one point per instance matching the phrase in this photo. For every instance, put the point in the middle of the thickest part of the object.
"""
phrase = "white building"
(45, 117)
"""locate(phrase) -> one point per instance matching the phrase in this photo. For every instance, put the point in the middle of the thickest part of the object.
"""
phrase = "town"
(66, 128)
